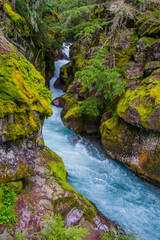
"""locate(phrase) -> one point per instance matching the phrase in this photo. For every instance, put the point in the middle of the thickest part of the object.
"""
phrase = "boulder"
(65, 78)
(132, 70)
(150, 67)
(140, 107)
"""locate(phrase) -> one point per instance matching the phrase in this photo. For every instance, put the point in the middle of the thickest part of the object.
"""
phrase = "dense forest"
(111, 87)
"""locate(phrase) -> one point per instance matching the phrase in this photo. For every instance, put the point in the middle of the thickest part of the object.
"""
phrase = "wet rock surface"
(44, 194)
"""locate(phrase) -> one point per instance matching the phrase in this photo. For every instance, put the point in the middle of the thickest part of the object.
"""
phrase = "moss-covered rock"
(72, 118)
(25, 102)
(132, 70)
(135, 147)
(65, 78)
(16, 186)
(140, 107)
(17, 21)
(135, 49)
(24, 99)
(151, 66)
(48, 192)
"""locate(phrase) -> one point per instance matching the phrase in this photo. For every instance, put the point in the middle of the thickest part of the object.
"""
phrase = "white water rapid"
(117, 193)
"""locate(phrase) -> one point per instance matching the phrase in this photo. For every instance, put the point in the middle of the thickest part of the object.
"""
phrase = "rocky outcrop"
(49, 193)
(25, 102)
(65, 78)
(72, 118)
(135, 147)
(130, 123)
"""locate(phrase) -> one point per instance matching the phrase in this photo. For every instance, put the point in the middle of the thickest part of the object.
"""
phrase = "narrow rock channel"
(117, 193)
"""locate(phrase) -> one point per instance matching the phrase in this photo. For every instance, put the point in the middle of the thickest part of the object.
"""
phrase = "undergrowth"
(54, 228)
(117, 235)
(7, 199)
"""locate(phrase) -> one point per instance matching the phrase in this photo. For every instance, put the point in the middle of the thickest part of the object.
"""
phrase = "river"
(117, 193)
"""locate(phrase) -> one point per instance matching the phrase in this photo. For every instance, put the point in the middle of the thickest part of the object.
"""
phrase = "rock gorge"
(128, 125)
(35, 173)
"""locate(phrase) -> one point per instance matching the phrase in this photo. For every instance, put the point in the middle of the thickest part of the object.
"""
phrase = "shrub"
(90, 107)
(7, 199)
(54, 229)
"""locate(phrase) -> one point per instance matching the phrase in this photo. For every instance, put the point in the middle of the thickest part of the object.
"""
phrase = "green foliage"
(64, 5)
(40, 18)
(149, 24)
(117, 235)
(7, 199)
(54, 229)
(90, 107)
(89, 29)
(21, 235)
(104, 79)
(73, 19)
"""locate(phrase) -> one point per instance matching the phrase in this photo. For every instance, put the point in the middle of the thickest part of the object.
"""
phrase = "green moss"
(66, 73)
(144, 100)
(69, 100)
(125, 56)
(13, 15)
(89, 214)
(22, 171)
(147, 176)
(73, 111)
(149, 23)
(79, 61)
(153, 163)
(22, 95)
(16, 186)
(137, 170)
(152, 65)
(108, 126)
(149, 41)
(70, 201)
(57, 167)
(17, 20)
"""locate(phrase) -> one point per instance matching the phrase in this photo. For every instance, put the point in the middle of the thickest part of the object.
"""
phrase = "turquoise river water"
(117, 193)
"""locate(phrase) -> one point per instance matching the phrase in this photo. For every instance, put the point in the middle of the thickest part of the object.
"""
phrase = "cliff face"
(25, 102)
(129, 124)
